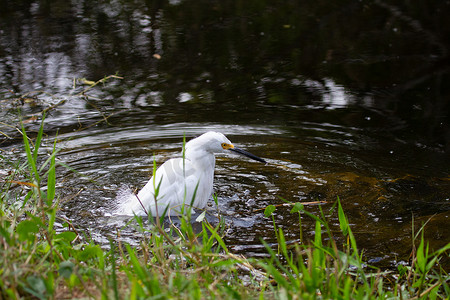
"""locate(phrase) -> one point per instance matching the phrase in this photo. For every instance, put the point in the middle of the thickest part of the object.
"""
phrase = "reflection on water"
(355, 109)
(391, 59)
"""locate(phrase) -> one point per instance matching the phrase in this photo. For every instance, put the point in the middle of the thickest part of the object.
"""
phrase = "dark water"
(347, 99)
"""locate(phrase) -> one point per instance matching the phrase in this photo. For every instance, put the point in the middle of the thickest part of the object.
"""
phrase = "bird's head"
(216, 142)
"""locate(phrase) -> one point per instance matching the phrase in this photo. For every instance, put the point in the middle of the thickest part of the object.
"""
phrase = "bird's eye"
(227, 146)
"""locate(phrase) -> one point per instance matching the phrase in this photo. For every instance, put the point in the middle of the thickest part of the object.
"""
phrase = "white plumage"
(180, 181)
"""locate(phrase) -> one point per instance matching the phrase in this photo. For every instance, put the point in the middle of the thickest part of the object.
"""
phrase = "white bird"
(180, 183)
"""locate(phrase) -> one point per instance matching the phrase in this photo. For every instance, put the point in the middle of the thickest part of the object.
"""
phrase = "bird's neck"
(201, 159)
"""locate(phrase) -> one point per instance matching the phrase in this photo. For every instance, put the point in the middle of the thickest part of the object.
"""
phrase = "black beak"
(248, 154)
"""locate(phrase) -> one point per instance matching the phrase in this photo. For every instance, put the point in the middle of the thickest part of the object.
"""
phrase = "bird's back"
(176, 182)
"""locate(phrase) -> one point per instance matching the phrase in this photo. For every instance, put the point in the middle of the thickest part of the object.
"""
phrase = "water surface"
(355, 109)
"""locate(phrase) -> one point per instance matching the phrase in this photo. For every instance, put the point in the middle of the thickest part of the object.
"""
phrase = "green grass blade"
(51, 177)
(113, 269)
(343, 223)
(282, 243)
(37, 143)
(217, 237)
(138, 270)
(30, 157)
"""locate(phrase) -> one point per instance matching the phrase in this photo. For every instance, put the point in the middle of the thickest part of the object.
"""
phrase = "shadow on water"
(356, 109)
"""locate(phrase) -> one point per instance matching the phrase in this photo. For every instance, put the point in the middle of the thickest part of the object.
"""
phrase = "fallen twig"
(291, 204)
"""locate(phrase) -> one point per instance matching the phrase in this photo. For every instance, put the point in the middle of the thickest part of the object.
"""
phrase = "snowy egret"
(179, 181)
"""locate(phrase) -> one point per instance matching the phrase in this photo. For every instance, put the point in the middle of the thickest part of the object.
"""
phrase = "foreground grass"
(37, 261)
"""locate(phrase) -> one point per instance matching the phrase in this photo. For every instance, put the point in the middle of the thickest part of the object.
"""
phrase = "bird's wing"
(171, 184)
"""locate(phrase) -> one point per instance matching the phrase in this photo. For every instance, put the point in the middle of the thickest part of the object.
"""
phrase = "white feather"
(181, 181)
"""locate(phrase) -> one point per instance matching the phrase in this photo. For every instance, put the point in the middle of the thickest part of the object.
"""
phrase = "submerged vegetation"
(44, 256)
